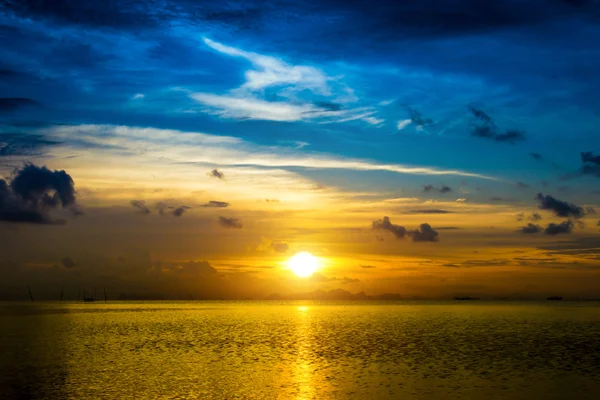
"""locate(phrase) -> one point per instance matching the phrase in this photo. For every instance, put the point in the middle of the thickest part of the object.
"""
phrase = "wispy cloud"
(299, 89)
(184, 147)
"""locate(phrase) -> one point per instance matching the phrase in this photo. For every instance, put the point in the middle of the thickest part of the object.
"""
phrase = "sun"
(303, 264)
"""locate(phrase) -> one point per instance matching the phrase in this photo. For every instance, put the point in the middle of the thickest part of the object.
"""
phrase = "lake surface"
(300, 350)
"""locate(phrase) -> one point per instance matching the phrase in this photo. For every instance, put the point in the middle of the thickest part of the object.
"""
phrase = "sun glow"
(303, 264)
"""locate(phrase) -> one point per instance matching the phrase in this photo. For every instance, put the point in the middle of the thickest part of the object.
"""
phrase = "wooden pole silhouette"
(30, 295)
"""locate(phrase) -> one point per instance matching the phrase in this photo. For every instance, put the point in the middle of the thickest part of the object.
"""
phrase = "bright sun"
(303, 264)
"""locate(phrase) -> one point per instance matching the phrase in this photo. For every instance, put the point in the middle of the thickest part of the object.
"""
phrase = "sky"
(184, 148)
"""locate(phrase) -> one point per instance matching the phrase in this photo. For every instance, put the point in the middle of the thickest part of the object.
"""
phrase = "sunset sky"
(428, 148)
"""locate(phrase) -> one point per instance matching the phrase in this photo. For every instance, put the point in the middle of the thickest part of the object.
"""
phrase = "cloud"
(140, 206)
(368, 266)
(277, 246)
(138, 96)
(429, 211)
(537, 156)
(289, 84)
(386, 225)
(403, 123)
(223, 150)
(530, 228)
(19, 144)
(442, 189)
(271, 71)
(233, 223)
(317, 277)
(67, 262)
(484, 127)
(216, 204)
(446, 228)
(164, 209)
(35, 194)
(535, 217)
(563, 227)
(522, 185)
(8, 104)
(417, 117)
(591, 163)
(251, 108)
(179, 211)
(425, 234)
(215, 173)
(495, 262)
(559, 207)
(280, 247)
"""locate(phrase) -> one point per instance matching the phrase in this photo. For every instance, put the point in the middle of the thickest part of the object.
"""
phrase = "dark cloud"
(96, 14)
(537, 156)
(532, 217)
(179, 211)
(35, 194)
(166, 209)
(590, 210)
(67, 262)
(216, 204)
(522, 185)
(563, 227)
(230, 223)
(559, 207)
(215, 173)
(520, 216)
(484, 127)
(431, 188)
(425, 234)
(562, 189)
(19, 144)
(140, 206)
(447, 228)
(368, 266)
(417, 118)
(535, 217)
(530, 228)
(495, 262)
(591, 164)
(499, 199)
(8, 104)
(386, 225)
(328, 106)
(429, 211)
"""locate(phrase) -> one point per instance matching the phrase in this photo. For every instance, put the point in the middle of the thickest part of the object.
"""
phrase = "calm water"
(303, 350)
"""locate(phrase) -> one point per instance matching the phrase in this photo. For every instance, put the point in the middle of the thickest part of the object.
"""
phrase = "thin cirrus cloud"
(290, 83)
(183, 147)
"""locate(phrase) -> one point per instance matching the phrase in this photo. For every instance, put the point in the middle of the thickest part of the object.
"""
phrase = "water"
(301, 350)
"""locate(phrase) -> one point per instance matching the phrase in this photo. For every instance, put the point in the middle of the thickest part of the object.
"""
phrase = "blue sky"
(494, 100)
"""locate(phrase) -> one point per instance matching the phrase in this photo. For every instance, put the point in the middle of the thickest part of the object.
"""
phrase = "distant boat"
(465, 298)
(554, 298)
